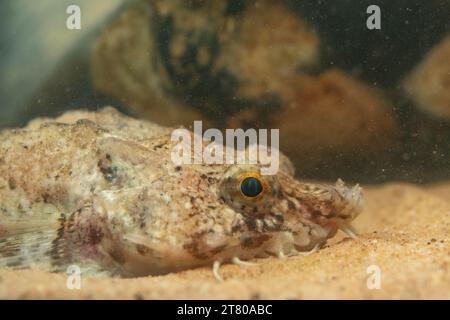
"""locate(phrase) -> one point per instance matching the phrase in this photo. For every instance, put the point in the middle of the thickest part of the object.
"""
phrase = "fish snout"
(350, 200)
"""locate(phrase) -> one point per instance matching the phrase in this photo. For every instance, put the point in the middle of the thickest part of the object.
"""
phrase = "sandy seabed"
(404, 234)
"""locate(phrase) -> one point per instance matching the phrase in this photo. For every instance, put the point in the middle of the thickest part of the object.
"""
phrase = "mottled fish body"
(99, 189)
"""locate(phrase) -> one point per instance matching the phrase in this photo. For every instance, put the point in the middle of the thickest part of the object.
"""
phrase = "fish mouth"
(352, 206)
(351, 200)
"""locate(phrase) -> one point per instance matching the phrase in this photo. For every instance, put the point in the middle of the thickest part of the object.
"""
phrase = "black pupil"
(251, 187)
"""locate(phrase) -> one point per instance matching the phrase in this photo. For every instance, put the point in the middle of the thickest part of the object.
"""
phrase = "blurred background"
(364, 105)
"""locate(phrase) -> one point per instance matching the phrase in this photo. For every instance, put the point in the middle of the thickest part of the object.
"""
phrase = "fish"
(98, 189)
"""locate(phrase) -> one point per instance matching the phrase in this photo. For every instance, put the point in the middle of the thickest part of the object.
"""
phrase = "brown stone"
(429, 83)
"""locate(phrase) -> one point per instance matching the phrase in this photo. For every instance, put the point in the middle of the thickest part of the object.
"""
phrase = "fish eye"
(251, 187)
(247, 191)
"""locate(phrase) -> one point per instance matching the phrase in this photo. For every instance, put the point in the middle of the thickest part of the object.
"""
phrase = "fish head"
(289, 215)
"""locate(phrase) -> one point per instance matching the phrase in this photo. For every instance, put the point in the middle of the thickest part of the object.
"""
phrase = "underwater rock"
(332, 114)
(238, 66)
(176, 61)
(429, 83)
